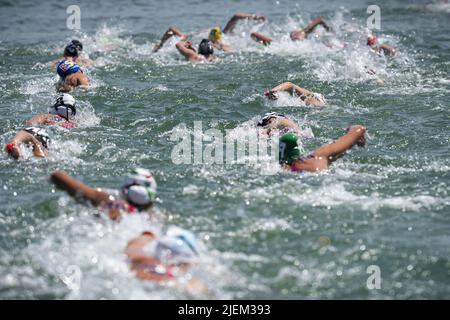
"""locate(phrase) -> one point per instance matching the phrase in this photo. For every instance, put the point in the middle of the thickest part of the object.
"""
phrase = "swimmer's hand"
(196, 286)
(114, 207)
(261, 18)
(84, 87)
(190, 46)
(270, 94)
(370, 71)
(362, 141)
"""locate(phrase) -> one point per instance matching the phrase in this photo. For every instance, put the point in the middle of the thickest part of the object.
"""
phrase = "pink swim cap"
(371, 40)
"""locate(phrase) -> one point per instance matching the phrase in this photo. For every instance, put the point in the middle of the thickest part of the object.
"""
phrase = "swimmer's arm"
(54, 63)
(240, 16)
(258, 37)
(40, 119)
(224, 47)
(26, 137)
(172, 31)
(186, 49)
(283, 123)
(23, 137)
(38, 149)
(134, 250)
(79, 190)
(283, 87)
(292, 89)
(62, 86)
(307, 96)
(335, 150)
(387, 49)
(313, 24)
(82, 81)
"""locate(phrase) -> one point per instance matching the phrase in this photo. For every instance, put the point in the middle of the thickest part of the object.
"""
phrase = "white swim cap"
(139, 187)
(177, 246)
(64, 106)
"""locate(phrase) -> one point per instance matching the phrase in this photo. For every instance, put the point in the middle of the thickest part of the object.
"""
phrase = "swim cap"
(63, 104)
(205, 47)
(371, 40)
(289, 151)
(140, 187)
(177, 246)
(267, 117)
(78, 44)
(71, 51)
(9, 147)
(215, 34)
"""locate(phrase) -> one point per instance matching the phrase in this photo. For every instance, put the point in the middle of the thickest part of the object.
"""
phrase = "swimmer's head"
(78, 44)
(205, 48)
(177, 246)
(64, 106)
(268, 117)
(289, 150)
(215, 34)
(12, 150)
(372, 40)
(71, 51)
(139, 188)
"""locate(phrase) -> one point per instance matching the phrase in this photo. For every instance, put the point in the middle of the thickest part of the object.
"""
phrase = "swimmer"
(295, 35)
(34, 137)
(388, 50)
(137, 194)
(216, 38)
(293, 157)
(276, 123)
(205, 51)
(62, 113)
(372, 72)
(81, 61)
(165, 258)
(215, 34)
(310, 98)
(71, 75)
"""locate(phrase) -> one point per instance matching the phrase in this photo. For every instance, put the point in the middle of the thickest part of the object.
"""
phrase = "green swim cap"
(289, 150)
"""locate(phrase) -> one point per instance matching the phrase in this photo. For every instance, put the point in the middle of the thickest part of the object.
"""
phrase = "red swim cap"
(371, 40)
(9, 147)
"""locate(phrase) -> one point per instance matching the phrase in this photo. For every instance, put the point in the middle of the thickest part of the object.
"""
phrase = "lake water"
(283, 235)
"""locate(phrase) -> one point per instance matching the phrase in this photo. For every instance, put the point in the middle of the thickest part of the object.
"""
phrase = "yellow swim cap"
(215, 34)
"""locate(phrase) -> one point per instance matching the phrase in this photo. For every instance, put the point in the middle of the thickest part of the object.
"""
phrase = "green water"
(282, 236)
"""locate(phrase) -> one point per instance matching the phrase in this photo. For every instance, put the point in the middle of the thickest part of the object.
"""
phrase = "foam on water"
(85, 256)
